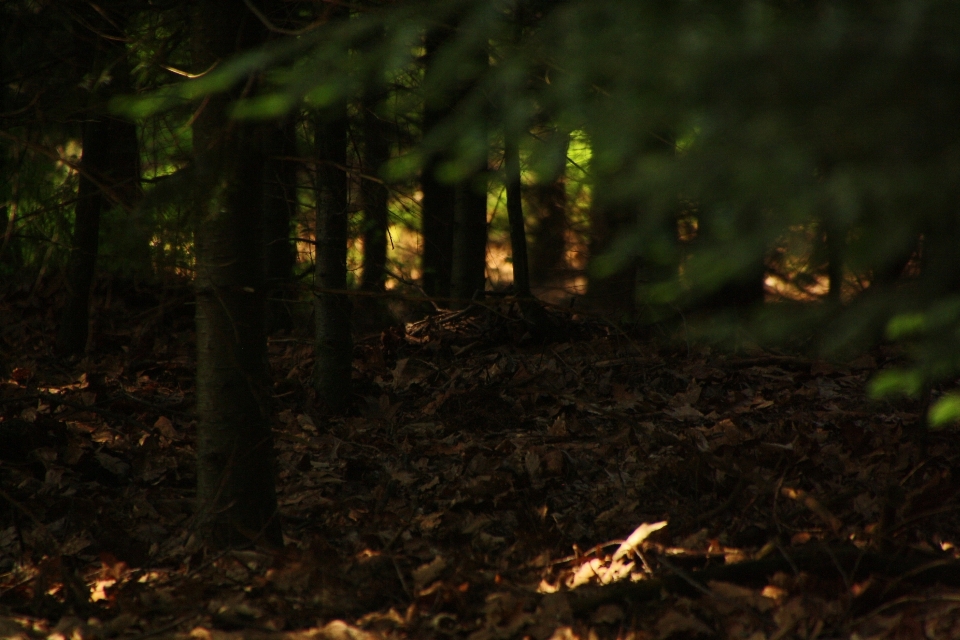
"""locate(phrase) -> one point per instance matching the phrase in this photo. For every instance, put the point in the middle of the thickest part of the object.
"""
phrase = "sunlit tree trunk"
(235, 471)
(334, 345)
(280, 207)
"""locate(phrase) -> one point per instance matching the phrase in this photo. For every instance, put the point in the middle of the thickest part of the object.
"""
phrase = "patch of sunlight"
(784, 290)
(152, 576)
(100, 589)
(609, 569)
(499, 265)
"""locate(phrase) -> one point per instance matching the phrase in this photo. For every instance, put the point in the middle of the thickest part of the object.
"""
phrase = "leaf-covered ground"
(484, 486)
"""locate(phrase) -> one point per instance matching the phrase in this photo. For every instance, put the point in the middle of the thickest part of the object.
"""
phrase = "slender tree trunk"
(334, 345)
(835, 245)
(74, 318)
(280, 207)
(123, 173)
(541, 325)
(376, 153)
(235, 471)
(518, 234)
(10, 258)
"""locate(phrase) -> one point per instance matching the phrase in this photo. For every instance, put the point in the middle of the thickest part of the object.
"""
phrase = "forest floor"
(482, 486)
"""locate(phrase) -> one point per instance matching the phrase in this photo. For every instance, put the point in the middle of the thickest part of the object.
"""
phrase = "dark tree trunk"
(334, 345)
(469, 269)
(469, 275)
(549, 199)
(235, 461)
(74, 318)
(439, 203)
(616, 292)
(549, 248)
(110, 176)
(376, 153)
(835, 245)
(123, 176)
(279, 209)
(518, 234)
(439, 199)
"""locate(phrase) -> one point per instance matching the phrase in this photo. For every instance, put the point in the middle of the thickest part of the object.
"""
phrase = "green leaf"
(905, 325)
(945, 411)
(896, 382)
(263, 107)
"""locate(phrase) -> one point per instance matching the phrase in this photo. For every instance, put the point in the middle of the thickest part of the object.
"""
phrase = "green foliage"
(896, 382)
(945, 411)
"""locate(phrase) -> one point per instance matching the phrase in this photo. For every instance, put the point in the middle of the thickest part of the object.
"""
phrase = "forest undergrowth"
(483, 485)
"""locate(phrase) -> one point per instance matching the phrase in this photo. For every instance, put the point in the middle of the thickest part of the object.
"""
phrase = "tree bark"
(835, 249)
(376, 148)
(110, 162)
(123, 174)
(75, 316)
(615, 293)
(469, 271)
(439, 199)
(280, 207)
(518, 234)
(235, 471)
(334, 345)
(548, 252)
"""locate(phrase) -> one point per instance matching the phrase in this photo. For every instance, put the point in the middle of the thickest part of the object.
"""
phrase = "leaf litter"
(487, 484)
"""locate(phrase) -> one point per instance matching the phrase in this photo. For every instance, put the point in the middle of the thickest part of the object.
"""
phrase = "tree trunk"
(548, 252)
(235, 471)
(110, 163)
(134, 230)
(835, 248)
(438, 201)
(74, 318)
(280, 207)
(615, 293)
(518, 234)
(334, 345)
(376, 153)
(469, 271)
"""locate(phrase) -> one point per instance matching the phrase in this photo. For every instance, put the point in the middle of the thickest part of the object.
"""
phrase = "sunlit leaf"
(896, 382)
(944, 411)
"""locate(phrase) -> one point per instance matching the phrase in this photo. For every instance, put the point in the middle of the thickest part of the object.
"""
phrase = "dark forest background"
(779, 174)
